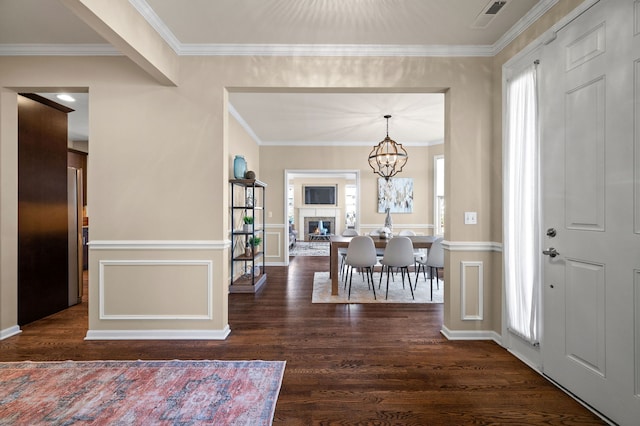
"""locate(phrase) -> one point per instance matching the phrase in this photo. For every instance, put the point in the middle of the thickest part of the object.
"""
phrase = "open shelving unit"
(247, 199)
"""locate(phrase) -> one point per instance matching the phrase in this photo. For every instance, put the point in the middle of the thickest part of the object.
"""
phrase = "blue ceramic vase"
(239, 167)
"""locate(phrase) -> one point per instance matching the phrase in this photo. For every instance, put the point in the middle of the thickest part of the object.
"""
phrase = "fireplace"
(311, 225)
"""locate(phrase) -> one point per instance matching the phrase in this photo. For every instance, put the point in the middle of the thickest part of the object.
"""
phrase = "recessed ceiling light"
(65, 97)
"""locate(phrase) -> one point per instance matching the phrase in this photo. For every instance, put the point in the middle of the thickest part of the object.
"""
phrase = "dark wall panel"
(42, 210)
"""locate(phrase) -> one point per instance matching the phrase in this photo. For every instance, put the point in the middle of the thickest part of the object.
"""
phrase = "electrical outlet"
(470, 218)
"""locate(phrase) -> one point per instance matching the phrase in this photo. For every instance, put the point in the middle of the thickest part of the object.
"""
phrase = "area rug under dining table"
(139, 392)
(361, 294)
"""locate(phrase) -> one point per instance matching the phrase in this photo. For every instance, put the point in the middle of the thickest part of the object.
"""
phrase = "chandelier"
(388, 157)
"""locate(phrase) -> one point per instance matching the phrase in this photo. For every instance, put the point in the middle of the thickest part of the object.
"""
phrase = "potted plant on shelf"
(248, 224)
(254, 242)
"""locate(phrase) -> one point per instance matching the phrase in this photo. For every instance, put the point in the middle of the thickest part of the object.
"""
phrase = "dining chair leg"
(344, 268)
(366, 272)
(410, 285)
(346, 275)
(350, 279)
(431, 280)
(387, 295)
(370, 270)
(381, 273)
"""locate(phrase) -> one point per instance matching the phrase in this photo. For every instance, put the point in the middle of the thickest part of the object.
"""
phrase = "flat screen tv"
(320, 194)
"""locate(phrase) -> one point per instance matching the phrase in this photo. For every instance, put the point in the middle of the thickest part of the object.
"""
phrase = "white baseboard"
(158, 334)
(471, 335)
(8, 332)
(282, 263)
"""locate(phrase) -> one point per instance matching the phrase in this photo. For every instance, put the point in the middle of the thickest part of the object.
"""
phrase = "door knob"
(550, 252)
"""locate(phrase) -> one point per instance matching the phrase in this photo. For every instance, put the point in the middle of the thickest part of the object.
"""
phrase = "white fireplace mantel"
(333, 212)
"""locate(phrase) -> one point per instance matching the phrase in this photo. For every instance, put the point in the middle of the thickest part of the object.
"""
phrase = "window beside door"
(350, 194)
(438, 191)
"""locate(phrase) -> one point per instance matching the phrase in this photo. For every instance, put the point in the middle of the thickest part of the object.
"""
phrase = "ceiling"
(284, 27)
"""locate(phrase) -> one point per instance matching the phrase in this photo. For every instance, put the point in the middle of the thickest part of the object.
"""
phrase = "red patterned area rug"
(140, 392)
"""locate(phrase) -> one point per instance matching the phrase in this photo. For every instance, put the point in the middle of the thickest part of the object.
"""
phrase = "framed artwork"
(396, 194)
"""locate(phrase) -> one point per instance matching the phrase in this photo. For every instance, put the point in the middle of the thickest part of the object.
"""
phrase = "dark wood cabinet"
(43, 259)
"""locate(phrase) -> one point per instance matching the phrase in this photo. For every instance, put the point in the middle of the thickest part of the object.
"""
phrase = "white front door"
(591, 322)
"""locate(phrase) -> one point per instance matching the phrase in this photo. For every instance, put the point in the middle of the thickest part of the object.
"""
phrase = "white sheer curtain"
(521, 201)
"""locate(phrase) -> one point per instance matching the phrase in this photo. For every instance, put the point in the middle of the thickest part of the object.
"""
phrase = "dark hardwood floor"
(370, 364)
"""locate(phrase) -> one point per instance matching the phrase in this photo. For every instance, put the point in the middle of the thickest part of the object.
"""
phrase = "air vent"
(495, 7)
(488, 13)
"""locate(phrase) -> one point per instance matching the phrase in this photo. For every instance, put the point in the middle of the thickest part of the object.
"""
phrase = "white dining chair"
(398, 254)
(379, 250)
(342, 251)
(361, 253)
(434, 261)
(417, 253)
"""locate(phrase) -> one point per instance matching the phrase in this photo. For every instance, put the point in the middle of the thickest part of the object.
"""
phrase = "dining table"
(337, 241)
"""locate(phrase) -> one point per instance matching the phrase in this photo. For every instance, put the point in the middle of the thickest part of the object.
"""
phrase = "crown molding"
(156, 23)
(525, 22)
(243, 123)
(360, 50)
(58, 50)
(340, 50)
(325, 50)
(351, 143)
(394, 50)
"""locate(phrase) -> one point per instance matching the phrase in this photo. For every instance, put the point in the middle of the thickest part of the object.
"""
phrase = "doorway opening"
(300, 215)
(65, 281)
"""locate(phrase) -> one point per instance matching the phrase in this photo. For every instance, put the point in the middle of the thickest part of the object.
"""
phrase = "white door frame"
(322, 173)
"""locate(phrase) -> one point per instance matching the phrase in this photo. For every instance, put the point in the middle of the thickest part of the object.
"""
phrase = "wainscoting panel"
(274, 245)
(472, 290)
(185, 286)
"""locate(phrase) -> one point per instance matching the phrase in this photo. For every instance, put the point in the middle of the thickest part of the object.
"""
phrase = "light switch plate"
(470, 218)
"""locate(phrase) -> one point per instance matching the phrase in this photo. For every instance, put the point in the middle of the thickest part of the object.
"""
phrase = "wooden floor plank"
(379, 364)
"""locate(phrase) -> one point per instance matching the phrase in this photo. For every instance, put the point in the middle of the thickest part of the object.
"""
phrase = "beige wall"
(160, 163)
(241, 143)
(275, 160)
(8, 213)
